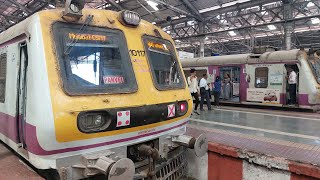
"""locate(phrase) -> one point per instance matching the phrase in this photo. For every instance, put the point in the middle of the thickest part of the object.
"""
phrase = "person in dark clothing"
(292, 81)
(204, 92)
(217, 91)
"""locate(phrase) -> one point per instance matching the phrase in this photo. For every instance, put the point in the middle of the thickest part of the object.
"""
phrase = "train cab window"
(261, 74)
(163, 63)
(315, 67)
(3, 75)
(93, 60)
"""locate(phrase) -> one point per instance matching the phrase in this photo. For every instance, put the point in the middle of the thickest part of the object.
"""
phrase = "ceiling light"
(154, 23)
(272, 27)
(232, 33)
(190, 23)
(52, 6)
(315, 20)
(153, 5)
(310, 4)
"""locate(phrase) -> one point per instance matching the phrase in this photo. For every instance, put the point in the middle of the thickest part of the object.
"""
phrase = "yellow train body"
(66, 108)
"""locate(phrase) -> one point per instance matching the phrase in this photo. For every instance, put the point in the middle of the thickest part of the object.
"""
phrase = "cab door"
(22, 93)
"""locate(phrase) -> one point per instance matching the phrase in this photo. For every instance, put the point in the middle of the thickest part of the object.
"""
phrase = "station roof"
(226, 26)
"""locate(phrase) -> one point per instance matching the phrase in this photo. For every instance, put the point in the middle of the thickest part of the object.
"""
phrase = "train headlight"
(73, 8)
(93, 122)
(129, 18)
(98, 120)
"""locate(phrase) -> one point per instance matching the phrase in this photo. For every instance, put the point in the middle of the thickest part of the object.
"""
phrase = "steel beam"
(174, 8)
(151, 13)
(193, 9)
(20, 6)
(214, 13)
(252, 26)
(116, 5)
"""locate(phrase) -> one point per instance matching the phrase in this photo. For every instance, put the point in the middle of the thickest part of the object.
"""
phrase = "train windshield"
(94, 60)
(315, 66)
(163, 62)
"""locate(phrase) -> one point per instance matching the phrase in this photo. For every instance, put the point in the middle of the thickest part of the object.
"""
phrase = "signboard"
(185, 55)
(211, 78)
(113, 79)
(276, 79)
(235, 89)
(157, 46)
(171, 110)
(87, 37)
(270, 96)
(123, 118)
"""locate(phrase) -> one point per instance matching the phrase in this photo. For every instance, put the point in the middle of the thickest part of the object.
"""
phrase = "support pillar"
(202, 39)
(288, 26)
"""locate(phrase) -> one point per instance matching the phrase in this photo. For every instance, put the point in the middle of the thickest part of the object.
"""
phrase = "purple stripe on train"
(302, 99)
(8, 127)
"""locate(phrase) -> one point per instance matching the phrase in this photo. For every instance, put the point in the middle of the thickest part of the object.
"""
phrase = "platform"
(277, 144)
(11, 167)
(298, 127)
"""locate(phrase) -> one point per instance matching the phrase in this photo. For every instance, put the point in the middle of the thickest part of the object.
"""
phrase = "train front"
(119, 98)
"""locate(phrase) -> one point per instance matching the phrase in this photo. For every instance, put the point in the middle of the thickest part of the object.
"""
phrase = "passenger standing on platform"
(292, 81)
(204, 92)
(194, 88)
(217, 91)
(227, 87)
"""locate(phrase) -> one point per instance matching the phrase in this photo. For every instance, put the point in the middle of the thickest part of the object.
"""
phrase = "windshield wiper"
(75, 40)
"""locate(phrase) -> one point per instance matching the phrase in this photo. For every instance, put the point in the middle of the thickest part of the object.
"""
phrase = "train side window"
(163, 63)
(261, 80)
(3, 74)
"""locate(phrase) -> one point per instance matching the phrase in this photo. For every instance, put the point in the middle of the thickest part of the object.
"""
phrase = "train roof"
(268, 57)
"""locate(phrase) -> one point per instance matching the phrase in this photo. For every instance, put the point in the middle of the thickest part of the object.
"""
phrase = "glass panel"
(3, 76)
(261, 80)
(164, 65)
(315, 66)
(94, 60)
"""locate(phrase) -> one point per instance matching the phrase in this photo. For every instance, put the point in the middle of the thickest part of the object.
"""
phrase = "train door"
(266, 85)
(22, 93)
(289, 99)
(231, 83)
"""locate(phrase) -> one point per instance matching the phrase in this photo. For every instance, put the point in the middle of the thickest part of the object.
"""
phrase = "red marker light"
(182, 107)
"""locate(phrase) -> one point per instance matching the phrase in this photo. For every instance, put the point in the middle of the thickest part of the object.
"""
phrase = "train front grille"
(174, 169)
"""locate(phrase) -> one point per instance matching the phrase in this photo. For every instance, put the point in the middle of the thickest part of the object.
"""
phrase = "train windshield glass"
(163, 62)
(94, 60)
(315, 65)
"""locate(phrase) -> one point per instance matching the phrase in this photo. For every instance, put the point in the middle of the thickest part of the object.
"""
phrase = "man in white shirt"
(194, 88)
(204, 92)
(292, 81)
